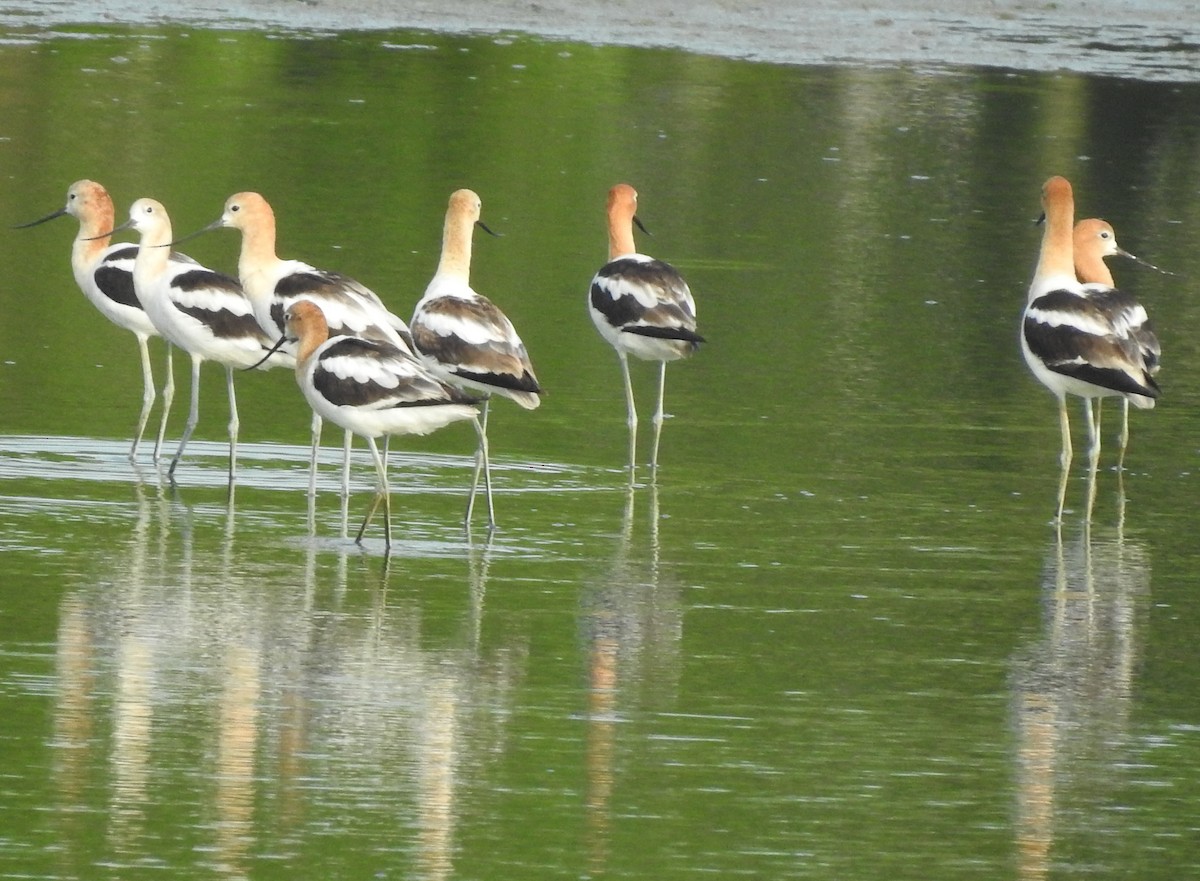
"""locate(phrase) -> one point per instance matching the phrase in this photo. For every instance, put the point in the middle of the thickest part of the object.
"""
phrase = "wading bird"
(1069, 341)
(273, 284)
(104, 272)
(372, 388)
(1094, 240)
(642, 307)
(465, 339)
(201, 311)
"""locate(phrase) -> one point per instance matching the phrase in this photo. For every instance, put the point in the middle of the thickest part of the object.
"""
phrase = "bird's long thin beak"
(128, 224)
(275, 348)
(483, 226)
(216, 224)
(641, 225)
(59, 213)
(1121, 252)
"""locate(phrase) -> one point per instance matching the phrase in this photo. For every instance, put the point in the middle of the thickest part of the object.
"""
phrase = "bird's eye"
(1104, 234)
(235, 207)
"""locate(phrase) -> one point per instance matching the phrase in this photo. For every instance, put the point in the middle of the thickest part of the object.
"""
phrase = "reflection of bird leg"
(654, 518)
(627, 517)
(1060, 582)
(1120, 505)
(345, 512)
(311, 516)
(1124, 434)
(477, 573)
(227, 544)
(1089, 576)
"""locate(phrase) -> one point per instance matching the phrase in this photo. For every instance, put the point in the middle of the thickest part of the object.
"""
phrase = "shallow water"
(834, 637)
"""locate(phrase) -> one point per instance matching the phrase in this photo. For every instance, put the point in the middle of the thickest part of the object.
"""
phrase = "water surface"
(835, 636)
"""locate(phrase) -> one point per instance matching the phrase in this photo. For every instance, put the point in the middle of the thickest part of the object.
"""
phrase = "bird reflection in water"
(222, 696)
(632, 623)
(238, 731)
(75, 723)
(85, 640)
(1073, 688)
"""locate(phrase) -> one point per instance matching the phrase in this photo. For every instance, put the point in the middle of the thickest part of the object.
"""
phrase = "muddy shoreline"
(1154, 40)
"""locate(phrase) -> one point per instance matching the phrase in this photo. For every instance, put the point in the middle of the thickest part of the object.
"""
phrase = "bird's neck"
(1091, 269)
(620, 237)
(309, 343)
(1056, 261)
(455, 261)
(257, 257)
(153, 255)
(92, 239)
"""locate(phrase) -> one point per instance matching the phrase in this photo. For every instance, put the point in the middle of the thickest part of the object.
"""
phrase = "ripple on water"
(50, 475)
(270, 466)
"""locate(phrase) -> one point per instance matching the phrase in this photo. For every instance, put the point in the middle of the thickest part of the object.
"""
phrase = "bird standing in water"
(465, 339)
(642, 307)
(372, 388)
(1069, 340)
(1094, 240)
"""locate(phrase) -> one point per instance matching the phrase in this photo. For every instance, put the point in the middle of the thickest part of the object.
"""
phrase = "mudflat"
(1150, 39)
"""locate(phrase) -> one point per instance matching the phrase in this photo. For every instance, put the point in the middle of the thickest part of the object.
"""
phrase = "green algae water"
(834, 637)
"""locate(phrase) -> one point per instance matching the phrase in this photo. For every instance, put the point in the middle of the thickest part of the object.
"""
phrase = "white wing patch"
(617, 286)
(1085, 323)
(386, 374)
(473, 333)
(1126, 321)
(211, 300)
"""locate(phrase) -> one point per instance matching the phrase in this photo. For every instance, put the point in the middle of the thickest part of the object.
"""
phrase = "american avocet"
(1068, 340)
(642, 307)
(371, 388)
(202, 312)
(465, 338)
(1094, 240)
(104, 272)
(273, 284)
